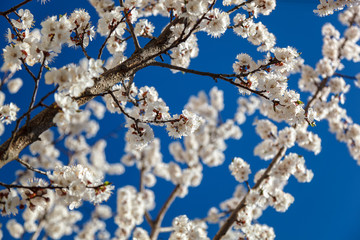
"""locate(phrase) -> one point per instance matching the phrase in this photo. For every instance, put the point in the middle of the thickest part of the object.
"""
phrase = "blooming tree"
(51, 136)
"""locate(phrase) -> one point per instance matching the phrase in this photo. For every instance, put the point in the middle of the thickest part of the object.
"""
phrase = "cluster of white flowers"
(61, 222)
(209, 142)
(274, 140)
(257, 7)
(15, 229)
(216, 22)
(269, 77)
(255, 33)
(147, 159)
(183, 52)
(293, 164)
(144, 28)
(55, 218)
(140, 234)
(258, 231)
(72, 79)
(327, 7)
(79, 183)
(246, 106)
(113, 21)
(8, 113)
(76, 123)
(240, 169)
(188, 230)
(95, 228)
(9, 201)
(40, 46)
(150, 109)
(82, 28)
(131, 207)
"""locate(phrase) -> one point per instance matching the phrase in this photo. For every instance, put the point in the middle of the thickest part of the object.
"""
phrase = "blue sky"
(326, 208)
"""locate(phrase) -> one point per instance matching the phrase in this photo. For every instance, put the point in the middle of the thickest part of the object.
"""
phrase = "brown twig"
(28, 166)
(225, 77)
(131, 27)
(239, 6)
(14, 8)
(157, 223)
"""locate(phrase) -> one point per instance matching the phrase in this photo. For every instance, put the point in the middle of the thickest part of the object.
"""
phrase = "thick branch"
(232, 218)
(26, 135)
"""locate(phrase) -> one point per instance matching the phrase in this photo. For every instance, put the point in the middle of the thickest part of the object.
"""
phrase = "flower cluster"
(287, 137)
(144, 28)
(255, 33)
(9, 201)
(72, 79)
(147, 109)
(188, 230)
(183, 52)
(8, 113)
(78, 183)
(216, 22)
(95, 228)
(131, 207)
(240, 169)
(328, 7)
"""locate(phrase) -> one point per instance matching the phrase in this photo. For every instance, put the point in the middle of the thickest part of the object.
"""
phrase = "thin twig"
(28, 166)
(36, 87)
(131, 27)
(108, 37)
(345, 76)
(239, 6)
(81, 37)
(14, 8)
(14, 28)
(318, 90)
(225, 77)
(136, 120)
(157, 223)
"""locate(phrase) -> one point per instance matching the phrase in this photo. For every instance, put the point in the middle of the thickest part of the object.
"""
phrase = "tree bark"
(141, 58)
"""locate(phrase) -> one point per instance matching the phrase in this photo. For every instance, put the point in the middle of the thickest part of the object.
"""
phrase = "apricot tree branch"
(232, 218)
(23, 137)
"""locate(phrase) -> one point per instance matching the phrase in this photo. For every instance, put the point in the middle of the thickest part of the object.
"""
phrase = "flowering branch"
(26, 135)
(108, 37)
(232, 218)
(215, 76)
